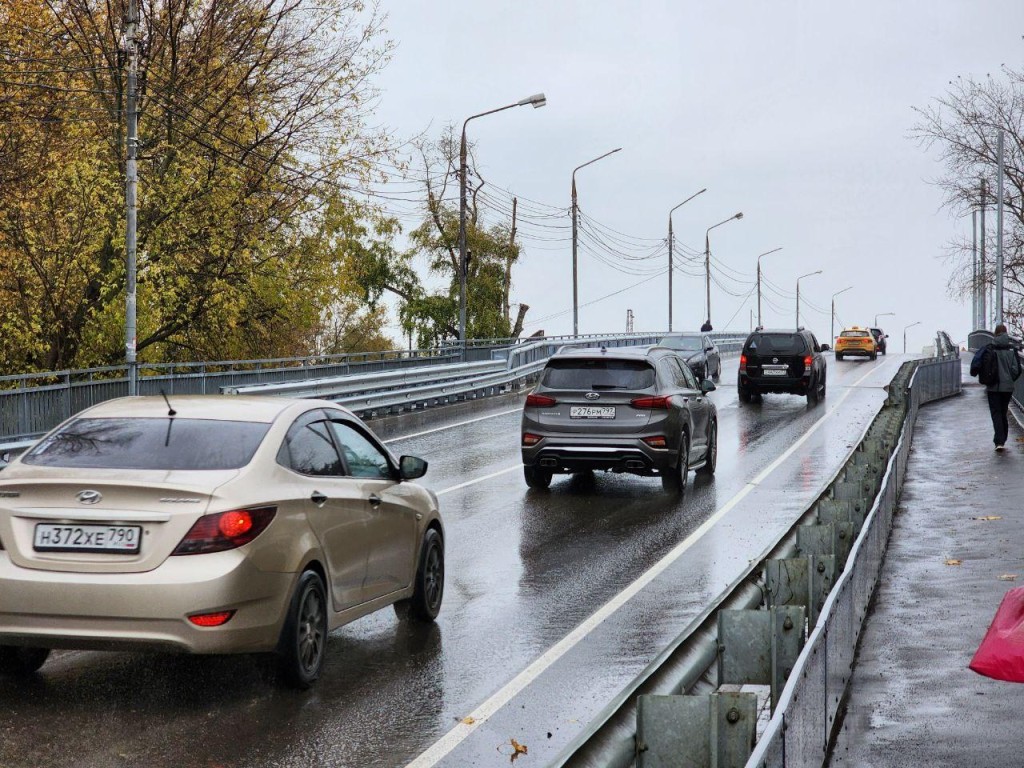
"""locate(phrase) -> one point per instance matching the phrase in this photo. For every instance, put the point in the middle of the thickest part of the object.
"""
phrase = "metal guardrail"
(31, 404)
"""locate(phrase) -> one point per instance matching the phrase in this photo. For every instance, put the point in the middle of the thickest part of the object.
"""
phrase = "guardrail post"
(709, 731)
(802, 581)
(760, 647)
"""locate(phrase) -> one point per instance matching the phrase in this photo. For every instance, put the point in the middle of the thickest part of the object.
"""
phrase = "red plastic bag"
(1001, 654)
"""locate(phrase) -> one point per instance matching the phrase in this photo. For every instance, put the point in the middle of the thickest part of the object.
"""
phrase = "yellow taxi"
(856, 340)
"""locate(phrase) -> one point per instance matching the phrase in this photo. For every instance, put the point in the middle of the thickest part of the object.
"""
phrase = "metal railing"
(32, 404)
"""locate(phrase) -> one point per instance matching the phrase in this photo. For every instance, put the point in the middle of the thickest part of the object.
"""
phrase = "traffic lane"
(548, 713)
(524, 569)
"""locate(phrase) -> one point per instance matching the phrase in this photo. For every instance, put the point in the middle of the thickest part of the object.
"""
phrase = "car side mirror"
(5, 459)
(411, 467)
(707, 385)
(825, 347)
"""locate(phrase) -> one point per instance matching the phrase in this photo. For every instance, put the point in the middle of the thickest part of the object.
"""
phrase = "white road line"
(453, 426)
(480, 479)
(460, 732)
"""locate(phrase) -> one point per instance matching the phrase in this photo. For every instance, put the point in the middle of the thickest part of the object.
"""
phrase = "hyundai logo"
(89, 497)
(592, 396)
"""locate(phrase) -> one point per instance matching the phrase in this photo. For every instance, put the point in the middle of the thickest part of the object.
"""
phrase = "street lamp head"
(738, 215)
(537, 100)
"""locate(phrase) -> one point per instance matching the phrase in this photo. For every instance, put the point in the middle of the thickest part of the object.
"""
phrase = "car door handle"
(318, 498)
(374, 500)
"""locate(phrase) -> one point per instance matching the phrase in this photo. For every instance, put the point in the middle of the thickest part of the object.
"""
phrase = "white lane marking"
(443, 746)
(479, 479)
(453, 426)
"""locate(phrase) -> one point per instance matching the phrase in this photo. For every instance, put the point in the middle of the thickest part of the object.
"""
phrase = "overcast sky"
(795, 113)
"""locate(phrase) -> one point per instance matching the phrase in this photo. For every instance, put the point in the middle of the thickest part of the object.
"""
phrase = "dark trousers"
(998, 404)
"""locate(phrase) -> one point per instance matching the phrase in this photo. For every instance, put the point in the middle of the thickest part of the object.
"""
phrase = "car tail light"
(656, 441)
(226, 530)
(540, 401)
(529, 439)
(660, 402)
(807, 362)
(211, 619)
(743, 363)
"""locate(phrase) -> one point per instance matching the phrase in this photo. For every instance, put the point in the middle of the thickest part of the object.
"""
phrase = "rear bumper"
(563, 455)
(855, 351)
(775, 384)
(145, 611)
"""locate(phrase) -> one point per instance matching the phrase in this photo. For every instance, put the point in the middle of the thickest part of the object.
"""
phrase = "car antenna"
(170, 411)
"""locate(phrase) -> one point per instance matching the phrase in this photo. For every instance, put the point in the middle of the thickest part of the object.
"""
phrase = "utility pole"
(575, 216)
(759, 282)
(670, 239)
(983, 287)
(974, 275)
(131, 46)
(999, 235)
(629, 321)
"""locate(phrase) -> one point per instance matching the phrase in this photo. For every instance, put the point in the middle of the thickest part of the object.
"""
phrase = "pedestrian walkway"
(913, 701)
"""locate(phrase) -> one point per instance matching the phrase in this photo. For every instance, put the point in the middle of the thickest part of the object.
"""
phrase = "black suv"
(880, 337)
(780, 361)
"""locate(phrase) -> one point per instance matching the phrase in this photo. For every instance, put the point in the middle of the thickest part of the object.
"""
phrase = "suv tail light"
(661, 402)
(226, 530)
(530, 439)
(540, 401)
(808, 360)
(743, 363)
(656, 441)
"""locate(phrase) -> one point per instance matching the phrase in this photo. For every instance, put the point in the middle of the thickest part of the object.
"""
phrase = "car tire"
(718, 372)
(839, 355)
(537, 477)
(883, 350)
(742, 392)
(19, 660)
(711, 457)
(303, 643)
(874, 355)
(673, 479)
(425, 603)
(812, 394)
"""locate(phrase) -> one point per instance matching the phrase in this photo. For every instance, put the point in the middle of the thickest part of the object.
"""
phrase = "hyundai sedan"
(211, 524)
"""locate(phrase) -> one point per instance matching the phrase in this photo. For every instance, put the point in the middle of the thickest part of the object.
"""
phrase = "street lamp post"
(575, 284)
(882, 314)
(905, 335)
(759, 283)
(537, 100)
(833, 337)
(809, 274)
(707, 260)
(670, 253)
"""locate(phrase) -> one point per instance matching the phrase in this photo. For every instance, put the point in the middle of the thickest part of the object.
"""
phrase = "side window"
(708, 344)
(308, 448)
(364, 459)
(688, 380)
(816, 346)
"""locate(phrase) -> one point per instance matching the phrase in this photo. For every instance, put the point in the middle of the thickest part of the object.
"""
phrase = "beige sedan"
(210, 524)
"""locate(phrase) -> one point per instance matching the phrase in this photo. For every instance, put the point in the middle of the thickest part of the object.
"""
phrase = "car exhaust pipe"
(548, 463)
(634, 464)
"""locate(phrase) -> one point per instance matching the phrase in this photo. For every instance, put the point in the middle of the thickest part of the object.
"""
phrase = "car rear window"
(162, 443)
(776, 344)
(854, 333)
(684, 343)
(598, 374)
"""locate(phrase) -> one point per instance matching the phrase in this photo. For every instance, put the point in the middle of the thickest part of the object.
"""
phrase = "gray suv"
(636, 410)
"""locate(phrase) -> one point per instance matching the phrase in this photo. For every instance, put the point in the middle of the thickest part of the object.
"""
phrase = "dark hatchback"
(699, 351)
(782, 362)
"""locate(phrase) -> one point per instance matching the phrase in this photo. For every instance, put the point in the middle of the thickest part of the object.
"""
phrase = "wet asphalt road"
(525, 570)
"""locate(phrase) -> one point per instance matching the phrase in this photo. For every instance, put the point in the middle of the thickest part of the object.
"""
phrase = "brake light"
(529, 439)
(226, 530)
(661, 402)
(657, 441)
(743, 363)
(211, 619)
(807, 361)
(540, 401)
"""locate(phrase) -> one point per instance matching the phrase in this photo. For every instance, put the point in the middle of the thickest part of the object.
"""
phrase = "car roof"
(258, 408)
(613, 353)
(790, 331)
(857, 328)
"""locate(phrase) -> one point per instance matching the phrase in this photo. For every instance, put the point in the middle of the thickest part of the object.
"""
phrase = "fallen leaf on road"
(1008, 577)
(517, 750)
(951, 561)
(468, 720)
(988, 517)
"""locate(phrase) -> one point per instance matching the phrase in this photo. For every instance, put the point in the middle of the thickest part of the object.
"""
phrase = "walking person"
(999, 374)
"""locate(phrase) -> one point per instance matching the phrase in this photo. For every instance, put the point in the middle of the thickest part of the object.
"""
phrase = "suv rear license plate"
(592, 412)
(55, 537)
(774, 372)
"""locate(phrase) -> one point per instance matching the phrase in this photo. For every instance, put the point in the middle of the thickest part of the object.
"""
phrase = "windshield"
(776, 344)
(598, 374)
(163, 443)
(684, 343)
